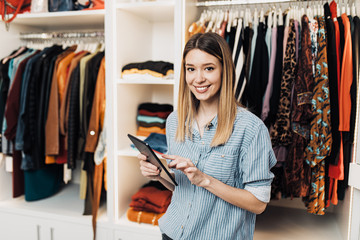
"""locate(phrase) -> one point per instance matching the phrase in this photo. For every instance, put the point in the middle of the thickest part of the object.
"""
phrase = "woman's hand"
(148, 169)
(185, 165)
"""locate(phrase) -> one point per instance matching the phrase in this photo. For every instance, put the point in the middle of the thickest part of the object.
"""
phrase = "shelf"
(131, 152)
(158, 11)
(72, 19)
(64, 205)
(146, 81)
(127, 152)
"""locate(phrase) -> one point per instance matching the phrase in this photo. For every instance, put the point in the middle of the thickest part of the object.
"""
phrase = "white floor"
(283, 223)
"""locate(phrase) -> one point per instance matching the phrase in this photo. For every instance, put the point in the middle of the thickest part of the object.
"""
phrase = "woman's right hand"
(148, 169)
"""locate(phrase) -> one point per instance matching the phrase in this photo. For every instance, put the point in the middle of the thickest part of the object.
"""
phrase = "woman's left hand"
(185, 165)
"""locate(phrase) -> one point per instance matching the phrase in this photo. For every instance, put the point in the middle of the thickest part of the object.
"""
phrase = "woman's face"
(203, 75)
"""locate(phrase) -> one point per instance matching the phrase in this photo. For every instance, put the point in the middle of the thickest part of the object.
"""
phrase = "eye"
(190, 69)
(209, 68)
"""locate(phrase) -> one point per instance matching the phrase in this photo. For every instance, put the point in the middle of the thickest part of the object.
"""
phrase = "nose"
(200, 77)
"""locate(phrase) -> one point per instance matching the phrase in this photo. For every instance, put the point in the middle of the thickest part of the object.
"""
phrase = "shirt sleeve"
(256, 164)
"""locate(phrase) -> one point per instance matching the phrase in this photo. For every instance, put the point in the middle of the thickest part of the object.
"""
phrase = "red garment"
(336, 172)
(333, 10)
(346, 78)
(151, 199)
(145, 112)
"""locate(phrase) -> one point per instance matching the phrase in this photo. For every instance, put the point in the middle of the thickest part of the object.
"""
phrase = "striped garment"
(243, 162)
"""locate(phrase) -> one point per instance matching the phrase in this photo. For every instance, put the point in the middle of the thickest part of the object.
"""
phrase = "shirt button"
(92, 133)
(202, 142)
(182, 227)
(222, 156)
(195, 162)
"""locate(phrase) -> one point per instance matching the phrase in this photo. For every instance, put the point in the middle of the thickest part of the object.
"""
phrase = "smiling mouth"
(202, 88)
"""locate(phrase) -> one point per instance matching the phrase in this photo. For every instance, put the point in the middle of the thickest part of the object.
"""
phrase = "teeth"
(201, 88)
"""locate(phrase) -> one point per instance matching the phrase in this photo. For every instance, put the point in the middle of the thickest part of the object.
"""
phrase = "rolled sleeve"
(256, 165)
(262, 193)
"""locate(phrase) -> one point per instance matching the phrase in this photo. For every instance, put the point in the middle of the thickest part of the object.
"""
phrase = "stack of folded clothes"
(149, 70)
(149, 203)
(151, 118)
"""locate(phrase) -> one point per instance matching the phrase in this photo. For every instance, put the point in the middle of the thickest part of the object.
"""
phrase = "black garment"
(155, 107)
(4, 87)
(244, 76)
(342, 40)
(45, 79)
(74, 117)
(31, 107)
(255, 88)
(230, 38)
(156, 66)
(334, 100)
(333, 86)
(275, 97)
(239, 46)
(36, 123)
(247, 45)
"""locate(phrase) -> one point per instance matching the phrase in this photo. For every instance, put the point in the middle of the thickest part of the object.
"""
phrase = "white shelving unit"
(61, 215)
(136, 32)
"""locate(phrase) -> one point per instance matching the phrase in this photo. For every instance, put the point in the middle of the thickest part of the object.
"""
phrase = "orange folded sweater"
(143, 217)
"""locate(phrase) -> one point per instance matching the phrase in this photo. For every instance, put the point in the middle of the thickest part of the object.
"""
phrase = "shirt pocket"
(221, 165)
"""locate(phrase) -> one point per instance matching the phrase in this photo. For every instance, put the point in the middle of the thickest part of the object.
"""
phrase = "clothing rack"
(51, 36)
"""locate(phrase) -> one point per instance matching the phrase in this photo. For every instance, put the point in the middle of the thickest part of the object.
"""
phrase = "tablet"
(146, 150)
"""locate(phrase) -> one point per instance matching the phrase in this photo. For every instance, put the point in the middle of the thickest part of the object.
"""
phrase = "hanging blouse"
(320, 134)
(296, 170)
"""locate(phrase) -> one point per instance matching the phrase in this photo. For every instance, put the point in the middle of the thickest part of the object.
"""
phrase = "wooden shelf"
(157, 11)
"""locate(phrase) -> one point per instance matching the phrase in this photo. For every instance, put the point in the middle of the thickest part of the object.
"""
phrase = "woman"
(220, 153)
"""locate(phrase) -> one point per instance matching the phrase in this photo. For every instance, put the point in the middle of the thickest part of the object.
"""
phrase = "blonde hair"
(215, 45)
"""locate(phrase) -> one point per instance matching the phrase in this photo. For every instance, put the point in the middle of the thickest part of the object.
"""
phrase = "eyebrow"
(205, 64)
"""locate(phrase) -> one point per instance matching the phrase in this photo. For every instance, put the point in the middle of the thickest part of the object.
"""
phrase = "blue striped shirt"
(243, 162)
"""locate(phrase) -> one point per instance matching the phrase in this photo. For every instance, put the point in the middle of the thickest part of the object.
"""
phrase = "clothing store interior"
(75, 81)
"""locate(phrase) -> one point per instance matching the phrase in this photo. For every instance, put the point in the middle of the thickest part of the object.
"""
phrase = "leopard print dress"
(281, 132)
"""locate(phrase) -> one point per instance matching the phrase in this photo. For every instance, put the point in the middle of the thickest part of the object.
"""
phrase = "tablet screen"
(146, 150)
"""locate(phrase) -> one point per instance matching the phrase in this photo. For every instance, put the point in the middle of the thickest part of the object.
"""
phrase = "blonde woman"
(220, 153)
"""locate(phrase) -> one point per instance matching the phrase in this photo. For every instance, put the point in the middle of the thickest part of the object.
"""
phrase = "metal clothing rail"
(239, 2)
(47, 36)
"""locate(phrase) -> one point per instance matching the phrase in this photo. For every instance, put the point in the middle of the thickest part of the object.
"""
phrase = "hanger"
(347, 9)
(343, 9)
(353, 10)
(220, 18)
(262, 18)
(229, 20)
(256, 17)
(287, 19)
(211, 22)
(236, 16)
(275, 17)
(270, 20)
(280, 17)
